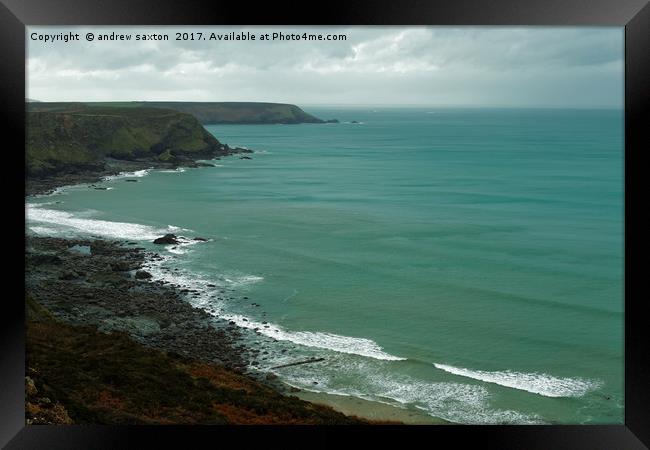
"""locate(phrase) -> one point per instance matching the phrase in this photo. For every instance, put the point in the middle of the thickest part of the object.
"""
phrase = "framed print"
(386, 221)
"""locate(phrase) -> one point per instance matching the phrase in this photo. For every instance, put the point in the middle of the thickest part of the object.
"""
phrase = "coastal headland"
(69, 143)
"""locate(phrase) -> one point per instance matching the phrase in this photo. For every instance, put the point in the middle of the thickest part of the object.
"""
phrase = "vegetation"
(240, 112)
(68, 137)
(212, 112)
(86, 376)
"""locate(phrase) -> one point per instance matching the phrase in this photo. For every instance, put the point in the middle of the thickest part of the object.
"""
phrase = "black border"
(633, 14)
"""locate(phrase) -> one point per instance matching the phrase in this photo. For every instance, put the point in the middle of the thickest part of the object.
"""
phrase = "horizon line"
(348, 105)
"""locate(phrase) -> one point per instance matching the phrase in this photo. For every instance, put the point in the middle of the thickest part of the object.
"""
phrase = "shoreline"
(47, 184)
(103, 283)
(162, 317)
(370, 409)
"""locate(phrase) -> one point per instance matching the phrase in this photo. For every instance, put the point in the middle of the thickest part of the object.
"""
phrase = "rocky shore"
(102, 284)
(106, 344)
(46, 182)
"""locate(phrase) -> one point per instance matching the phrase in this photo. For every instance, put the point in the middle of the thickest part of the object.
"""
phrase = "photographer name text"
(190, 36)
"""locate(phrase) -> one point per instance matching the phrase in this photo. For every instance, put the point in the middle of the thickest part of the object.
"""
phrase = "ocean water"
(464, 262)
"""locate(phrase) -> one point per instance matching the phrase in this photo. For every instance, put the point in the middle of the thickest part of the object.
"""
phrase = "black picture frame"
(634, 15)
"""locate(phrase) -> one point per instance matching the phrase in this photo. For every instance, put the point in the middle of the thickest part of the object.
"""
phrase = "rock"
(40, 259)
(332, 121)
(131, 181)
(123, 266)
(167, 239)
(200, 239)
(101, 189)
(80, 250)
(354, 121)
(245, 157)
(142, 274)
(30, 387)
(68, 276)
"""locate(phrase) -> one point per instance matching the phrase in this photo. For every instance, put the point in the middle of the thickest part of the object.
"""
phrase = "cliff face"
(67, 137)
(240, 112)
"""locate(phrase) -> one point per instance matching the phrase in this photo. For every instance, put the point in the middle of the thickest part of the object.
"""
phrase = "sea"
(465, 263)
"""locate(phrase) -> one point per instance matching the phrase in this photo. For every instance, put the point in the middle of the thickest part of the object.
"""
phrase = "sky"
(419, 66)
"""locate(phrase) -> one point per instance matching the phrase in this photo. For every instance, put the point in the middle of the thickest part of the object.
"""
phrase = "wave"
(46, 231)
(116, 230)
(244, 280)
(453, 401)
(365, 377)
(322, 340)
(536, 383)
(315, 339)
(136, 174)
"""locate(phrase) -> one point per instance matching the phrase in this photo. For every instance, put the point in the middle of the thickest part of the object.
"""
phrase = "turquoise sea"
(464, 262)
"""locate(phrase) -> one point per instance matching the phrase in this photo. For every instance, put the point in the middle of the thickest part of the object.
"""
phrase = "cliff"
(240, 112)
(212, 112)
(68, 137)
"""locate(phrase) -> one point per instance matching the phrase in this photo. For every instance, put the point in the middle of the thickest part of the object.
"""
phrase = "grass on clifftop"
(208, 112)
(70, 136)
(110, 379)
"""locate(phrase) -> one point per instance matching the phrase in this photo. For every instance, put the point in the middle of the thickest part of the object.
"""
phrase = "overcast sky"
(432, 66)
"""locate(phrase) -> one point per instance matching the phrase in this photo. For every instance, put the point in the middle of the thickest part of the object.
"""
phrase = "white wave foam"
(182, 247)
(118, 230)
(327, 341)
(175, 229)
(536, 383)
(136, 174)
(177, 170)
(370, 380)
(46, 231)
(366, 378)
(244, 280)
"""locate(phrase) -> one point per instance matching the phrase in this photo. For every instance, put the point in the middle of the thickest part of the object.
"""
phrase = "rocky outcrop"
(166, 239)
(41, 410)
(142, 275)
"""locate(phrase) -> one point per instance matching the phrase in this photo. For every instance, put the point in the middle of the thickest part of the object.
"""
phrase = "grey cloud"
(377, 65)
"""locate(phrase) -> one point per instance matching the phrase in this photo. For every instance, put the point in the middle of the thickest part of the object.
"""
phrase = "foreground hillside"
(78, 375)
(107, 345)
